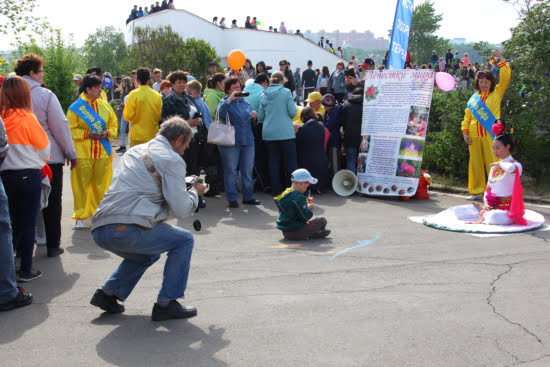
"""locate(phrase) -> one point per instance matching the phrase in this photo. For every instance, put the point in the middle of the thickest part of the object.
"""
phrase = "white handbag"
(221, 134)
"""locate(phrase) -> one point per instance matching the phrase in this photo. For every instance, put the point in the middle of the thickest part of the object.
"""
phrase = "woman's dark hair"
(89, 81)
(229, 82)
(357, 91)
(308, 113)
(177, 75)
(499, 129)
(325, 72)
(249, 63)
(285, 64)
(143, 76)
(506, 139)
(27, 63)
(95, 70)
(218, 77)
(15, 94)
(264, 67)
(261, 78)
(485, 75)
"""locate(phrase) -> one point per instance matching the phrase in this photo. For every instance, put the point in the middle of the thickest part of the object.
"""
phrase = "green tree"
(61, 60)
(526, 105)
(107, 49)
(16, 17)
(165, 49)
(422, 40)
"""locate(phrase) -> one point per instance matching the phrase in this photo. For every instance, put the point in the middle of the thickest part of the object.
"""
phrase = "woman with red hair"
(21, 176)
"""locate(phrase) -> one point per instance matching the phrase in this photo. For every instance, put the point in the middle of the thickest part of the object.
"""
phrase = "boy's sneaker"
(321, 234)
(27, 276)
(23, 298)
(106, 303)
(174, 310)
(122, 149)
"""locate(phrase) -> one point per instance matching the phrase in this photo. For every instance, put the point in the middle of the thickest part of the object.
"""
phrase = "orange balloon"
(236, 59)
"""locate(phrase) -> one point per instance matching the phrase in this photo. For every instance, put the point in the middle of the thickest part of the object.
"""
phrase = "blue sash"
(482, 113)
(83, 110)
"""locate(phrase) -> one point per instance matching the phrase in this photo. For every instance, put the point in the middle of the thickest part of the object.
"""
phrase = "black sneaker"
(106, 303)
(174, 310)
(234, 204)
(27, 276)
(321, 234)
(55, 251)
(23, 298)
(121, 150)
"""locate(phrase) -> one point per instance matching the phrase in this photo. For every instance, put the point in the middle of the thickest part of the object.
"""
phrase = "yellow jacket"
(87, 148)
(142, 110)
(470, 125)
(296, 119)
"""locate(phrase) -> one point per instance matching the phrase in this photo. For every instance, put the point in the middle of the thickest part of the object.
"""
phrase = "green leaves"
(107, 49)
(163, 48)
(422, 40)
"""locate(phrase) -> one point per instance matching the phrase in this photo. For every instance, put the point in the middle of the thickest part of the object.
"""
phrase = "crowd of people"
(143, 11)
(281, 146)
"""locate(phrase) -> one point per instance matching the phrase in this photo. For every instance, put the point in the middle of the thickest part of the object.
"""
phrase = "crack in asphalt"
(329, 292)
(489, 300)
(520, 362)
(507, 352)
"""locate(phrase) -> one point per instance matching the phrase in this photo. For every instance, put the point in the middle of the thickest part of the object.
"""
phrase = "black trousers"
(52, 214)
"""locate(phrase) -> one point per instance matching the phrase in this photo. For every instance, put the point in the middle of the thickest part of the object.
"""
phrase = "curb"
(461, 190)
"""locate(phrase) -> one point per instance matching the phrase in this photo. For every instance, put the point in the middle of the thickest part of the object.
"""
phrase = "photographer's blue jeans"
(140, 248)
(8, 286)
(241, 157)
(351, 159)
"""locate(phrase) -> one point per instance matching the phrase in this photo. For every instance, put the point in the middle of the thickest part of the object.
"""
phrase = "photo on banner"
(396, 112)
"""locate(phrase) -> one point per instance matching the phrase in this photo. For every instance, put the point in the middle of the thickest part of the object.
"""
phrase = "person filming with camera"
(147, 189)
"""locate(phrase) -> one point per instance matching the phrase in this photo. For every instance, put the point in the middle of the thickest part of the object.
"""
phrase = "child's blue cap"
(303, 175)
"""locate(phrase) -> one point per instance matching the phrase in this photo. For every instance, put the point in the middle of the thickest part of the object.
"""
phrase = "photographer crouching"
(147, 189)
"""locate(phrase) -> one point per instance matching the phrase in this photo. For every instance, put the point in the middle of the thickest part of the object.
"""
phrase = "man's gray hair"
(174, 127)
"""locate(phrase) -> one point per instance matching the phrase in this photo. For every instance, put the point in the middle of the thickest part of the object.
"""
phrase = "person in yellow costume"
(92, 176)
(480, 142)
(142, 109)
(314, 101)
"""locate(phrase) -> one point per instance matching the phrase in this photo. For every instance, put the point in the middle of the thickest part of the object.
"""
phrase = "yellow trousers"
(133, 142)
(481, 157)
(90, 180)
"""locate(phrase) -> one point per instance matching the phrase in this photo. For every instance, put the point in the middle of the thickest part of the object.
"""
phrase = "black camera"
(190, 181)
(197, 115)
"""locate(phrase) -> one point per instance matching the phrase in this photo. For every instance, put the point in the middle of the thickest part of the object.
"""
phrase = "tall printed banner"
(400, 35)
(396, 110)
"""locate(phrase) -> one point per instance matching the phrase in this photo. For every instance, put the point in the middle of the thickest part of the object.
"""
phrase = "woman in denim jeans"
(241, 155)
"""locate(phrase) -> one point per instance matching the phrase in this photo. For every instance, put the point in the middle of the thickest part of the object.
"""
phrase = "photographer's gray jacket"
(48, 112)
(134, 197)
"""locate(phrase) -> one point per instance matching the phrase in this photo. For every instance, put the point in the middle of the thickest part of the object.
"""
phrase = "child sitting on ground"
(295, 211)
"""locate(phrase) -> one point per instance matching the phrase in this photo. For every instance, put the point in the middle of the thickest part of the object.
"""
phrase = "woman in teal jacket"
(277, 109)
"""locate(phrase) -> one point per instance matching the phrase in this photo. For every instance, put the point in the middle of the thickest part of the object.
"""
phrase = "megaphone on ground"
(344, 183)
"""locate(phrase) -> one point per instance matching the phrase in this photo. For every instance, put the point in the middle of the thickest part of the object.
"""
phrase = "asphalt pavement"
(381, 290)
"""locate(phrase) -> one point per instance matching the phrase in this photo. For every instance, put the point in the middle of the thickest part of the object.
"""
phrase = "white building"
(257, 45)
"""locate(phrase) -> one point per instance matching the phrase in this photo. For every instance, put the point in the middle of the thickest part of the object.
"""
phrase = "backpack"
(324, 83)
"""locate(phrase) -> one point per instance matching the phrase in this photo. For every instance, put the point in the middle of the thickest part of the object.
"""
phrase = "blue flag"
(400, 35)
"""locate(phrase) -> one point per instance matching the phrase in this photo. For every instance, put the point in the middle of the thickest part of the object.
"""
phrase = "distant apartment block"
(354, 39)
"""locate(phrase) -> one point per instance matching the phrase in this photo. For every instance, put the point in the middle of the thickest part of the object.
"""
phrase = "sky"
(474, 20)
